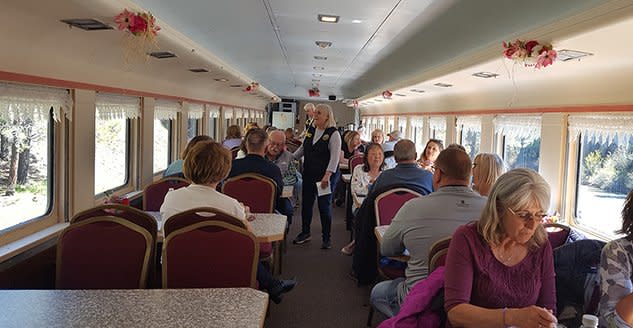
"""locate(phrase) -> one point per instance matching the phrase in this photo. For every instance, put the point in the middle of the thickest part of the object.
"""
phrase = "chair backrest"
(389, 202)
(254, 190)
(354, 161)
(234, 152)
(557, 233)
(200, 214)
(128, 213)
(103, 252)
(210, 255)
(291, 146)
(437, 253)
(154, 194)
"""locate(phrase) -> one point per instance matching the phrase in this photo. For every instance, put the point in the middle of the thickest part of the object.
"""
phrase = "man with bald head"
(422, 221)
(276, 152)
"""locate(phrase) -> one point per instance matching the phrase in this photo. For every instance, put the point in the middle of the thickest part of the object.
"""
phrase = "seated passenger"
(276, 153)
(233, 137)
(429, 154)
(500, 269)
(362, 177)
(256, 142)
(616, 274)
(388, 148)
(423, 221)
(377, 136)
(175, 169)
(406, 171)
(350, 146)
(206, 164)
(487, 167)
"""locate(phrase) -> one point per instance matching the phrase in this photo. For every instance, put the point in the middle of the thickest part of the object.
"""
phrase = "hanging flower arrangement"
(252, 87)
(142, 30)
(530, 53)
(314, 92)
(387, 94)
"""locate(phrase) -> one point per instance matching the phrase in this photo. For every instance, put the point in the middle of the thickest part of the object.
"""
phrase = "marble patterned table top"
(219, 307)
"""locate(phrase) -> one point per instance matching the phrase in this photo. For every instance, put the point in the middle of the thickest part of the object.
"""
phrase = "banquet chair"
(438, 252)
(154, 194)
(354, 161)
(389, 202)
(210, 255)
(234, 152)
(557, 233)
(200, 214)
(103, 252)
(254, 190)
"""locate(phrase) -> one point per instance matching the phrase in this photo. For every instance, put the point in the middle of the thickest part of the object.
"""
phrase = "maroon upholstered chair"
(200, 214)
(103, 253)
(154, 194)
(557, 234)
(438, 252)
(354, 161)
(234, 152)
(254, 190)
(389, 202)
(210, 255)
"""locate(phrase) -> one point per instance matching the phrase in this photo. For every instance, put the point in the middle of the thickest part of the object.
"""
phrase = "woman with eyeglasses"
(429, 155)
(500, 269)
(616, 275)
(487, 167)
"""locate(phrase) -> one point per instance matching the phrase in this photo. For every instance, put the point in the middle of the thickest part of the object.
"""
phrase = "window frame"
(128, 164)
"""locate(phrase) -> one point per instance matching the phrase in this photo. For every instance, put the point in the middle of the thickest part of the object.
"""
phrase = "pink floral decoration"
(531, 53)
(139, 24)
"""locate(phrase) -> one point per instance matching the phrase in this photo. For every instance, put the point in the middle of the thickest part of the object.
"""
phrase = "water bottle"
(589, 321)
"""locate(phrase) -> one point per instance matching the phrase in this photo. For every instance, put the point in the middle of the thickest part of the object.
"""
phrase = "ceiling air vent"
(222, 79)
(399, 95)
(323, 44)
(87, 24)
(443, 85)
(236, 85)
(485, 75)
(566, 54)
(162, 54)
(417, 90)
(199, 70)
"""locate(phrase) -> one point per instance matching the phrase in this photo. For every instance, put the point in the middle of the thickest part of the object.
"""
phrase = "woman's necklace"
(501, 257)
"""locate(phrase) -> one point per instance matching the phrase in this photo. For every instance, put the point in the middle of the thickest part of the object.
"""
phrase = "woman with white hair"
(500, 269)
(321, 150)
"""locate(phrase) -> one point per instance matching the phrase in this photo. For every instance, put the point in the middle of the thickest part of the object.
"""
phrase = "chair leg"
(371, 315)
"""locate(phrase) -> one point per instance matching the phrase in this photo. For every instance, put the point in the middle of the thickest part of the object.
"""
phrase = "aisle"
(325, 295)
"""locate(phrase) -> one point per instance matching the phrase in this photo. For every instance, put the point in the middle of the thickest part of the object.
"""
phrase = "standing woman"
(377, 136)
(321, 149)
(487, 167)
(616, 275)
(429, 155)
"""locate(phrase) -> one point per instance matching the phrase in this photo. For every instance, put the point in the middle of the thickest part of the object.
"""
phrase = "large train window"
(214, 122)
(165, 112)
(194, 119)
(521, 140)
(605, 163)
(437, 128)
(417, 124)
(27, 147)
(469, 128)
(192, 128)
(112, 140)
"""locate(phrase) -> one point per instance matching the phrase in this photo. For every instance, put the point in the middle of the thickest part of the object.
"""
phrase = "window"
(112, 139)
(391, 122)
(214, 121)
(192, 128)
(402, 125)
(194, 116)
(164, 113)
(437, 128)
(417, 124)
(469, 134)
(521, 140)
(605, 163)
(27, 148)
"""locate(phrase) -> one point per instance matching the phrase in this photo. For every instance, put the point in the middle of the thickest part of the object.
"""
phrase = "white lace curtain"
(469, 123)
(437, 123)
(214, 111)
(228, 112)
(110, 106)
(237, 113)
(196, 111)
(166, 109)
(417, 121)
(517, 125)
(18, 101)
(605, 126)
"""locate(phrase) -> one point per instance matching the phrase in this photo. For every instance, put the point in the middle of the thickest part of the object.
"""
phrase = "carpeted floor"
(325, 295)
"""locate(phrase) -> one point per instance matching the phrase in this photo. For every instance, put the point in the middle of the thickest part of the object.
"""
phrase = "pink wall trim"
(563, 109)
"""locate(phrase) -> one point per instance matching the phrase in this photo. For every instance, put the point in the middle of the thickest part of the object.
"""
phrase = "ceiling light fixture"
(485, 75)
(318, 68)
(87, 24)
(320, 57)
(323, 44)
(356, 21)
(399, 95)
(199, 70)
(317, 74)
(417, 90)
(566, 54)
(162, 54)
(222, 80)
(443, 85)
(328, 18)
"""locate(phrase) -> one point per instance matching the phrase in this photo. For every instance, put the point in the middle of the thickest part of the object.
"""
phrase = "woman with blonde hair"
(487, 167)
(377, 136)
(321, 150)
(500, 270)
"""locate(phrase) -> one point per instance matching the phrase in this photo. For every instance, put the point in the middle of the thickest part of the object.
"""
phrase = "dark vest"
(316, 156)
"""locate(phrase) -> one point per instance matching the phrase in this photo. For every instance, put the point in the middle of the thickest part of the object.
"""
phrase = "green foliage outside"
(607, 166)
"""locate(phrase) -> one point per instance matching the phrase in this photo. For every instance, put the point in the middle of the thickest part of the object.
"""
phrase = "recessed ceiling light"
(320, 57)
(199, 70)
(417, 90)
(222, 80)
(318, 68)
(162, 54)
(323, 44)
(485, 75)
(87, 24)
(317, 74)
(566, 54)
(356, 21)
(443, 85)
(328, 18)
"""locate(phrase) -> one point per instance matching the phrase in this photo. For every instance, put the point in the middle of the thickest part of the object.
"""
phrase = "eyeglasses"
(474, 165)
(527, 216)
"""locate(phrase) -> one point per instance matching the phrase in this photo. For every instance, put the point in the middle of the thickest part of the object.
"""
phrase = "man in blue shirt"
(407, 172)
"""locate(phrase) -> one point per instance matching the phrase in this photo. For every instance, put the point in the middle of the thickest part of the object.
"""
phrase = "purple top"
(475, 276)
